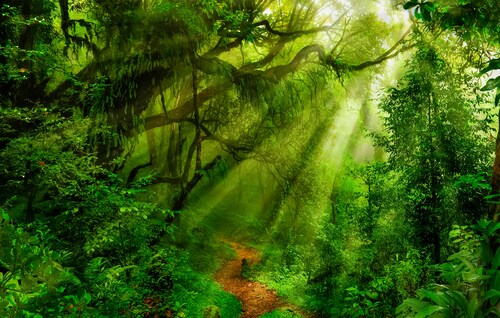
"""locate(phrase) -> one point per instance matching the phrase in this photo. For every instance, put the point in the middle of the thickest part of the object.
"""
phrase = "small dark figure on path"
(245, 268)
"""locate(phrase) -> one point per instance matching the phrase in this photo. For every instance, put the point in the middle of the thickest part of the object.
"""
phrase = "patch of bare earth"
(256, 298)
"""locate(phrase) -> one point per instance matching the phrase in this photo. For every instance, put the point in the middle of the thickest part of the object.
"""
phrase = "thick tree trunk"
(31, 88)
(173, 154)
(333, 199)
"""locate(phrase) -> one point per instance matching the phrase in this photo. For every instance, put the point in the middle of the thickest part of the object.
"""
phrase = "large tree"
(474, 26)
(436, 134)
(199, 67)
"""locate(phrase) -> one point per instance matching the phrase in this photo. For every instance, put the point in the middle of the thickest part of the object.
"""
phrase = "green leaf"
(492, 196)
(438, 298)
(491, 293)
(496, 259)
(426, 14)
(5, 216)
(495, 280)
(486, 253)
(493, 65)
(493, 229)
(86, 297)
(373, 295)
(473, 307)
(418, 14)
(492, 83)
(410, 4)
(482, 224)
(415, 304)
(459, 299)
(427, 311)
(429, 6)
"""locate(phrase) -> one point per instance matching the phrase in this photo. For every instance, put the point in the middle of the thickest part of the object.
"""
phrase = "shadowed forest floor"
(256, 298)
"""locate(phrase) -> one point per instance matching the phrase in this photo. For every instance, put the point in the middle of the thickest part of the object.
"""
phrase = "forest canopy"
(351, 143)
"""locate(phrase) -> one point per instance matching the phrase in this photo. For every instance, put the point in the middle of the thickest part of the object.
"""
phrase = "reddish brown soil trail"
(256, 298)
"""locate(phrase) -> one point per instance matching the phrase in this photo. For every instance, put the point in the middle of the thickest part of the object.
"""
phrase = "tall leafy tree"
(475, 24)
(434, 136)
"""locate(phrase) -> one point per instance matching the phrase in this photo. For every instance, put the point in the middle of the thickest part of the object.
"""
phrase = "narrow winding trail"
(256, 298)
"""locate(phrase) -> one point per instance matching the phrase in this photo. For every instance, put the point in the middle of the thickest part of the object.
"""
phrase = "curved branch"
(273, 52)
(268, 27)
(379, 60)
(220, 48)
(181, 113)
(278, 72)
(273, 74)
(390, 53)
(398, 43)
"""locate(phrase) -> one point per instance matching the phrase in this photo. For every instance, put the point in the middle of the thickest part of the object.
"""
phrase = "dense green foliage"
(434, 139)
(471, 277)
(137, 137)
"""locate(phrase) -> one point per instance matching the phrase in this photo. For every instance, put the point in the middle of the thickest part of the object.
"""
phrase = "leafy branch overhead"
(492, 83)
(422, 9)
(471, 20)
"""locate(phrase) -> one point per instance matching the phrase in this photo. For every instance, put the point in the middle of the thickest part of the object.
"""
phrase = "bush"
(33, 283)
(471, 278)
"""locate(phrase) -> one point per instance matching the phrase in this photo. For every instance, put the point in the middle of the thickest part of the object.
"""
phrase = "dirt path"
(256, 298)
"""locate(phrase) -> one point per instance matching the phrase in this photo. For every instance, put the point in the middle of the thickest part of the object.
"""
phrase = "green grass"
(195, 293)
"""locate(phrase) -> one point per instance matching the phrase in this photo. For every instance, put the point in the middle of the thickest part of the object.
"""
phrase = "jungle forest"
(249, 158)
